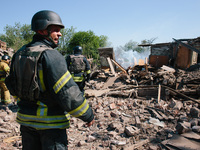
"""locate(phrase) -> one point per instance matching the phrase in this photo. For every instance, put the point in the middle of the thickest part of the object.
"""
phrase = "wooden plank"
(119, 66)
(111, 66)
(110, 81)
(163, 115)
(141, 62)
(168, 69)
(159, 90)
(191, 135)
(137, 121)
(182, 143)
(157, 115)
(95, 93)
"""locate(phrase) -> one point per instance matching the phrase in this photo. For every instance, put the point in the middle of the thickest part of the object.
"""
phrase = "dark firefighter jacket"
(61, 97)
(81, 76)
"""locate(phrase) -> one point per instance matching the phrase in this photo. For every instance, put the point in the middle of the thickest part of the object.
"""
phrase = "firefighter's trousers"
(50, 139)
(5, 94)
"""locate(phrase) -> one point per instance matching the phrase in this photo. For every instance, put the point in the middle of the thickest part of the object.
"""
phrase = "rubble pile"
(10, 138)
(150, 109)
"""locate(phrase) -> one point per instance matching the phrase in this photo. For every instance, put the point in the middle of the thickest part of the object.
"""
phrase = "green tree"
(17, 35)
(64, 40)
(103, 41)
(89, 42)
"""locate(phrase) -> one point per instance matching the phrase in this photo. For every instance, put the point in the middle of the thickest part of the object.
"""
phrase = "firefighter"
(4, 71)
(79, 67)
(43, 121)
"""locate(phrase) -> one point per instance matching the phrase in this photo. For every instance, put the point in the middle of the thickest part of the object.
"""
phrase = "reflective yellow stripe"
(61, 82)
(2, 79)
(42, 109)
(40, 126)
(41, 80)
(6, 69)
(44, 119)
(80, 110)
(88, 71)
(78, 79)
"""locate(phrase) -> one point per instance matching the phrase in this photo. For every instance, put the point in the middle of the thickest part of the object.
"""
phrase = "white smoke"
(129, 58)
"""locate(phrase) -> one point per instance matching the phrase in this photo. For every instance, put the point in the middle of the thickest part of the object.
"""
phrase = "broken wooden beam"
(118, 65)
(111, 66)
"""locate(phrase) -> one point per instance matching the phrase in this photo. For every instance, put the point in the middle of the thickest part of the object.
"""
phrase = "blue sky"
(120, 20)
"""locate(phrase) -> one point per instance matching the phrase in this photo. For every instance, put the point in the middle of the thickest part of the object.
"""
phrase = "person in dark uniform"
(43, 120)
(79, 67)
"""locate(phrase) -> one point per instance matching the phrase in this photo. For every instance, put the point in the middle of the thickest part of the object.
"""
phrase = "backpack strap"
(23, 79)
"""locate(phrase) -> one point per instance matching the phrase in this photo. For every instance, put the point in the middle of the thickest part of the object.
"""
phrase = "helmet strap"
(49, 36)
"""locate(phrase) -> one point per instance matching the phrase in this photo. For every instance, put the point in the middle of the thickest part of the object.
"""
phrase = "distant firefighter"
(4, 71)
(79, 67)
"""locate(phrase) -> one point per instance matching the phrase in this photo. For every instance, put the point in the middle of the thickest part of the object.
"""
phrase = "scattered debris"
(142, 107)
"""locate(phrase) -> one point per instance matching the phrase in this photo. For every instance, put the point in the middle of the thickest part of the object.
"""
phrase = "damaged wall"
(104, 53)
(184, 57)
(175, 54)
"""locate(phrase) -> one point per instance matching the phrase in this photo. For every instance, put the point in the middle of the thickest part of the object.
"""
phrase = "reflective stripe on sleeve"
(80, 110)
(88, 71)
(78, 79)
(61, 82)
(7, 68)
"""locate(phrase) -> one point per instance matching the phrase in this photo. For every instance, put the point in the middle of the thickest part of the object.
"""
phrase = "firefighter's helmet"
(78, 50)
(5, 57)
(42, 19)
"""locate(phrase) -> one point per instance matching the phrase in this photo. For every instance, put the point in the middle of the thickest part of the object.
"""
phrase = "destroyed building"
(181, 53)
(152, 105)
